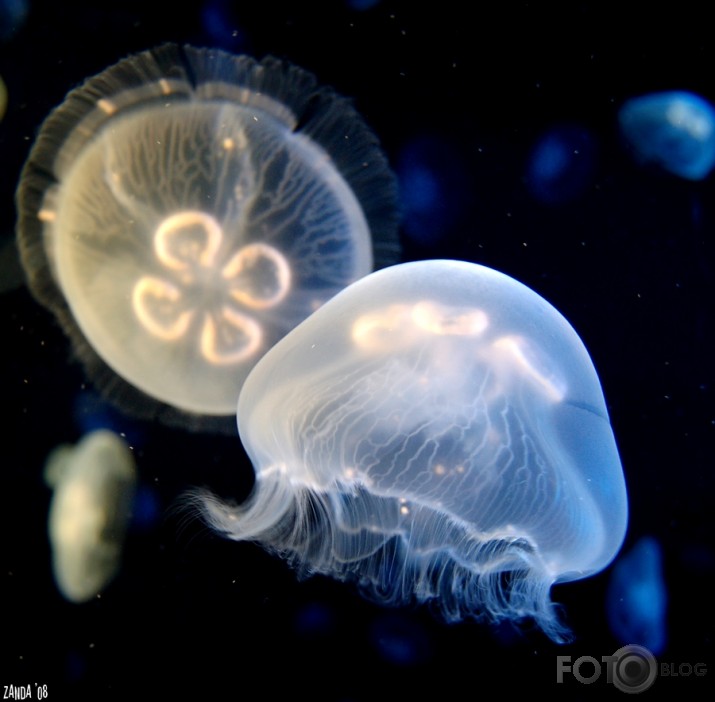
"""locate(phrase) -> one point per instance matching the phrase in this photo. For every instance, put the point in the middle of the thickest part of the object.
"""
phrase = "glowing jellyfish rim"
(352, 524)
(314, 116)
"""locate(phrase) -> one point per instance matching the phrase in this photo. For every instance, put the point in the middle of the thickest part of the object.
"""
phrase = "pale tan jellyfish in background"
(94, 484)
(184, 209)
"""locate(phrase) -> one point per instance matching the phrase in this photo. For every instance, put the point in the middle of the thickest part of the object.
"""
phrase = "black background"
(629, 261)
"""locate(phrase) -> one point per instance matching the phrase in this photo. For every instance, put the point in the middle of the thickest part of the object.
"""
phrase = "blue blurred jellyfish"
(362, 5)
(185, 208)
(436, 431)
(220, 25)
(561, 164)
(146, 508)
(13, 14)
(637, 597)
(434, 188)
(399, 641)
(673, 130)
(315, 619)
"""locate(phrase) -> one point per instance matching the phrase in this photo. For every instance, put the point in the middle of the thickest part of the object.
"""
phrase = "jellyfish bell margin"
(185, 208)
(435, 432)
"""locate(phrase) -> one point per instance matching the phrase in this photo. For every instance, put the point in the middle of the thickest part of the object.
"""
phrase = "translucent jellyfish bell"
(185, 208)
(436, 431)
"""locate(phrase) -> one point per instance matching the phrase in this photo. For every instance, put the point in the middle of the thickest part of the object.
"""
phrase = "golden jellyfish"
(184, 209)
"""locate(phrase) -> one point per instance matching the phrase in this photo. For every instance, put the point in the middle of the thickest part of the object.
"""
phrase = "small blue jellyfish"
(637, 597)
(221, 26)
(399, 641)
(436, 431)
(315, 619)
(434, 188)
(362, 5)
(13, 14)
(673, 130)
(561, 164)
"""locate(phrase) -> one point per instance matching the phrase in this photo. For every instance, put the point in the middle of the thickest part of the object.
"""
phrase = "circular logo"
(635, 669)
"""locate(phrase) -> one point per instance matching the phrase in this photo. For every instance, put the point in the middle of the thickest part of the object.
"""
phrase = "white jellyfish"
(94, 484)
(436, 431)
(184, 209)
